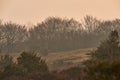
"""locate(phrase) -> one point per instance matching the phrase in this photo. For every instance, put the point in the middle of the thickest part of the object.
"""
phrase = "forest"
(55, 34)
(60, 35)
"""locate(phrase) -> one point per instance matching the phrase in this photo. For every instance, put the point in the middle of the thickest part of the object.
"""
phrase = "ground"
(63, 60)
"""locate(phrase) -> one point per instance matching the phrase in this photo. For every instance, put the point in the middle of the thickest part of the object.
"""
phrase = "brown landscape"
(67, 59)
(59, 39)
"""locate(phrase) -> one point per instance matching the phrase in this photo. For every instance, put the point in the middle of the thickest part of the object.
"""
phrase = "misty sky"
(33, 11)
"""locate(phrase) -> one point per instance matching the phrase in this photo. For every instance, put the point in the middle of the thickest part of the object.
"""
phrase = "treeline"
(55, 34)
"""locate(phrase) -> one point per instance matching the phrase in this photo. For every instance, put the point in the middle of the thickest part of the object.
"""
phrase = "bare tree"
(13, 34)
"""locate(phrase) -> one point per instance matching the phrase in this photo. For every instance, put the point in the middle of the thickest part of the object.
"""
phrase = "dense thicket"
(55, 34)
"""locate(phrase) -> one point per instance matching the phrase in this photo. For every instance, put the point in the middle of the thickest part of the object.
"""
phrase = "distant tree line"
(55, 34)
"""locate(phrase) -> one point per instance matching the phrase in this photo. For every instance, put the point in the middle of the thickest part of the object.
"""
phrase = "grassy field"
(63, 60)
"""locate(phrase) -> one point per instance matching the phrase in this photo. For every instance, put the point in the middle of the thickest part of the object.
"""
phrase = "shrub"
(7, 66)
(5, 60)
(109, 48)
(104, 70)
(105, 64)
(30, 62)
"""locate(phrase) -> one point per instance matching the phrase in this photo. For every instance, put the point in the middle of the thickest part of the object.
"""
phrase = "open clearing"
(63, 60)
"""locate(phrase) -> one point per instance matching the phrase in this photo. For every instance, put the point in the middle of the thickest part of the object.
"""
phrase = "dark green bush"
(105, 61)
(7, 66)
(108, 49)
(104, 70)
(30, 62)
(26, 63)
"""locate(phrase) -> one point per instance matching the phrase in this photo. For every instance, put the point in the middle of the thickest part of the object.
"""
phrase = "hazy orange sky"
(33, 11)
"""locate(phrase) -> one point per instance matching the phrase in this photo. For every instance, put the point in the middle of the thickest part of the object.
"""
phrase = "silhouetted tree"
(30, 62)
(109, 48)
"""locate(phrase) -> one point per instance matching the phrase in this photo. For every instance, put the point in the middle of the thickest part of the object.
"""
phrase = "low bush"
(30, 62)
(104, 70)
(26, 63)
